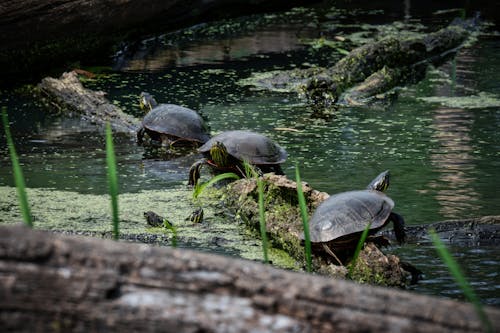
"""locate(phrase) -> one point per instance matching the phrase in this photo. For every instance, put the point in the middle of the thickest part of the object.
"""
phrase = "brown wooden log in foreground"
(78, 284)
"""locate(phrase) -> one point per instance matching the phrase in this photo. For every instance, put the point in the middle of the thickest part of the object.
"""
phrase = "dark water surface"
(440, 138)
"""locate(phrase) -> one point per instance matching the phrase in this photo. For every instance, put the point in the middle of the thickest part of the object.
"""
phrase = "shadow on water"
(439, 139)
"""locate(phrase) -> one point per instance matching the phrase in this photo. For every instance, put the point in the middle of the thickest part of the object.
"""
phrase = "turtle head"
(380, 183)
(219, 154)
(147, 102)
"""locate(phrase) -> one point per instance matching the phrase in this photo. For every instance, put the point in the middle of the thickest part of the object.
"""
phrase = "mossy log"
(68, 95)
(284, 228)
(59, 283)
(383, 64)
(369, 70)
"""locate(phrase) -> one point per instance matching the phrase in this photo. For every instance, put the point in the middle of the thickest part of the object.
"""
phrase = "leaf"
(199, 188)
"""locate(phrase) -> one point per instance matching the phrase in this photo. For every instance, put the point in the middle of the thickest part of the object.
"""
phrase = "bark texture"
(379, 66)
(67, 94)
(60, 283)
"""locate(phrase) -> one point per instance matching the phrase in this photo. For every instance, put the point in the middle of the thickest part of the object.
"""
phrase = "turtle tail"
(399, 227)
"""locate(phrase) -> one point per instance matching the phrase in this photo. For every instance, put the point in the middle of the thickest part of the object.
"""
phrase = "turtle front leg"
(399, 226)
(140, 135)
(194, 171)
(330, 252)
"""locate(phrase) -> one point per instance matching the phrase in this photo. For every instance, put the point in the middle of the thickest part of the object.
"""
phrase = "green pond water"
(440, 138)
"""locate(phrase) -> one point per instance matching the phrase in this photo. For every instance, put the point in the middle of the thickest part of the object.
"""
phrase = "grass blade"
(361, 241)
(303, 213)
(459, 277)
(112, 179)
(199, 188)
(18, 173)
(250, 170)
(262, 219)
(173, 229)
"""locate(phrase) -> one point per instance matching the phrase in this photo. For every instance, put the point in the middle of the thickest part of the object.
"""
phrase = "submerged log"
(67, 94)
(372, 62)
(80, 284)
(478, 231)
(369, 70)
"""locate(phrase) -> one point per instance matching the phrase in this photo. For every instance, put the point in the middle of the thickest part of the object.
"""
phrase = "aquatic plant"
(173, 229)
(304, 215)
(460, 279)
(112, 179)
(18, 173)
(200, 187)
(262, 219)
(252, 172)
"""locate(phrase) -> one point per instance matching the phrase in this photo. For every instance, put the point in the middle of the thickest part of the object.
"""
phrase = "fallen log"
(369, 70)
(68, 95)
(478, 231)
(52, 282)
(367, 62)
(284, 229)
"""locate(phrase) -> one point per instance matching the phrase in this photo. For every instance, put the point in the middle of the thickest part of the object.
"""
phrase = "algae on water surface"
(90, 214)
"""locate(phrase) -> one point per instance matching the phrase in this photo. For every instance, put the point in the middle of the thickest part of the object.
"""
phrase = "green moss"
(282, 215)
(362, 273)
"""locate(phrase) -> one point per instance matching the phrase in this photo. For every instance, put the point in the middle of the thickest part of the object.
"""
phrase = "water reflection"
(480, 266)
(454, 162)
(153, 55)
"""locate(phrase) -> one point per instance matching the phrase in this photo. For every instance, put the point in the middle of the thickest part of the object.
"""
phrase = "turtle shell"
(249, 146)
(178, 121)
(349, 213)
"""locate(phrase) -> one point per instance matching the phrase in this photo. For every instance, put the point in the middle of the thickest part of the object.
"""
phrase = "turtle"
(339, 221)
(170, 124)
(227, 151)
(156, 220)
(196, 216)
